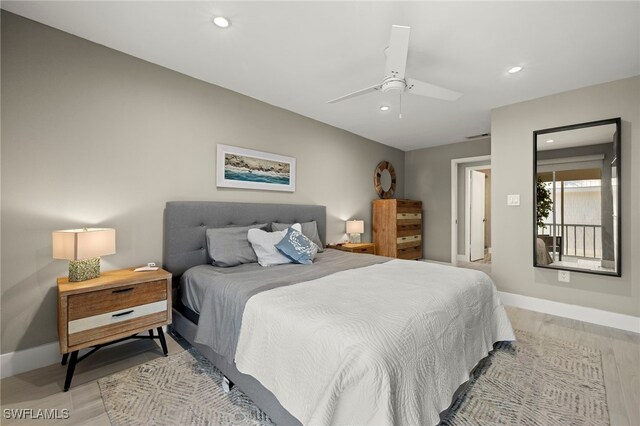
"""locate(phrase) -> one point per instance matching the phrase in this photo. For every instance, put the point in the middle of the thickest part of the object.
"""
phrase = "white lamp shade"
(76, 244)
(355, 226)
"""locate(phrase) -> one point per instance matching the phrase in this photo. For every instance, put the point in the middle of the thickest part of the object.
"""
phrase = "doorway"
(477, 214)
(471, 212)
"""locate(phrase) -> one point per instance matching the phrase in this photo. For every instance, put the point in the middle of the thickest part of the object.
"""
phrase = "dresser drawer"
(410, 253)
(408, 206)
(409, 238)
(410, 244)
(111, 300)
(403, 230)
(409, 216)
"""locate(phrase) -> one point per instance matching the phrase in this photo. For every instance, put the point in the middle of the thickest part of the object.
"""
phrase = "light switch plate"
(513, 199)
(564, 276)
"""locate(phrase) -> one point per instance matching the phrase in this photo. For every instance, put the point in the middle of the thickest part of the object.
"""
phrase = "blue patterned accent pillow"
(297, 247)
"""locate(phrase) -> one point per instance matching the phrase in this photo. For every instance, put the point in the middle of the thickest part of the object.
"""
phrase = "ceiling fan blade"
(354, 94)
(397, 51)
(421, 88)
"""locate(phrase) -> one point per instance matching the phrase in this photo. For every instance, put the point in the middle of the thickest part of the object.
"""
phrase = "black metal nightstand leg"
(65, 357)
(151, 333)
(162, 341)
(70, 370)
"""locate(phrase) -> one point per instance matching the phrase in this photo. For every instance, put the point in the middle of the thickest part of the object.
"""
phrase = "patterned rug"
(536, 381)
(182, 389)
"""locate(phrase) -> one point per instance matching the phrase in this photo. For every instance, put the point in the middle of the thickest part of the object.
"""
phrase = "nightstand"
(113, 307)
(368, 248)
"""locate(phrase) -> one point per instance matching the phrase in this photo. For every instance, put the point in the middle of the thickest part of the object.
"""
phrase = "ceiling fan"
(394, 73)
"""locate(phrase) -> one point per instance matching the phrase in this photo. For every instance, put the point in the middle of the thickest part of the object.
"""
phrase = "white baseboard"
(462, 258)
(13, 363)
(580, 313)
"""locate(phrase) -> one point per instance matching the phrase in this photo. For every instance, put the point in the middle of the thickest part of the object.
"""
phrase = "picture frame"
(250, 169)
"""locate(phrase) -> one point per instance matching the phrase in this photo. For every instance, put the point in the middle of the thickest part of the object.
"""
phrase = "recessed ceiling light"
(515, 69)
(384, 108)
(550, 140)
(221, 22)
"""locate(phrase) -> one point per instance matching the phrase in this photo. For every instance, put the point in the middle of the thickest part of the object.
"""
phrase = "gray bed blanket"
(226, 294)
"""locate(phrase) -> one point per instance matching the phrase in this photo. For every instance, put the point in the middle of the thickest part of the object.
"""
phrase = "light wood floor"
(42, 388)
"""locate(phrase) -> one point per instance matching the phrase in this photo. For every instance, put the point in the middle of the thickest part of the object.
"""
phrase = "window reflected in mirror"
(577, 197)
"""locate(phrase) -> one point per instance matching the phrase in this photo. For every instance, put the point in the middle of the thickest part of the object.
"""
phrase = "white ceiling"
(298, 55)
(576, 137)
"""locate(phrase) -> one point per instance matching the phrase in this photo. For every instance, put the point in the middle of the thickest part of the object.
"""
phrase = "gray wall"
(91, 136)
(428, 178)
(512, 166)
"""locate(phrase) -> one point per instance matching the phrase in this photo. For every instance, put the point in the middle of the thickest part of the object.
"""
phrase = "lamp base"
(354, 238)
(84, 269)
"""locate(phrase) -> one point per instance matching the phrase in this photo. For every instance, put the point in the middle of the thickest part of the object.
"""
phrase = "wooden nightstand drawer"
(362, 250)
(103, 301)
(109, 324)
(117, 316)
(367, 248)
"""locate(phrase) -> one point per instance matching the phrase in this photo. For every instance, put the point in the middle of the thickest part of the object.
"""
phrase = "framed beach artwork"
(249, 169)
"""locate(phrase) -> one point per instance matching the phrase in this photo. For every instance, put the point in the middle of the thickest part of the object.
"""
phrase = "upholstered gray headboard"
(186, 222)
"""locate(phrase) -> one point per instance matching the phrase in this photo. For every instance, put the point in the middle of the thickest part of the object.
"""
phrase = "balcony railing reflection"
(577, 239)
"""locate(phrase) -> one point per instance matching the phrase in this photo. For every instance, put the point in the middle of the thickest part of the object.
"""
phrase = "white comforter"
(384, 344)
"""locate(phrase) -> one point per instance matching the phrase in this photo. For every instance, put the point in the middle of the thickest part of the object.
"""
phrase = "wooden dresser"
(397, 228)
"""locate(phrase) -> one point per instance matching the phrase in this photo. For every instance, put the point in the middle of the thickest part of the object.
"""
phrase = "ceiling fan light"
(516, 69)
(221, 22)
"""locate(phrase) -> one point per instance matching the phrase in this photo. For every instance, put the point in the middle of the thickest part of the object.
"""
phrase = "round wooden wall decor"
(384, 179)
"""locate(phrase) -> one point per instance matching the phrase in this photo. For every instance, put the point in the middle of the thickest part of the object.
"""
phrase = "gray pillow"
(230, 246)
(309, 230)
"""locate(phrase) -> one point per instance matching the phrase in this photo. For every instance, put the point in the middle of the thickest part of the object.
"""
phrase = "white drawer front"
(409, 216)
(114, 317)
(409, 238)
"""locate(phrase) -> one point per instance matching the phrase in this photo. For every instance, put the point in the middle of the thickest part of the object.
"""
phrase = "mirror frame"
(618, 244)
(377, 179)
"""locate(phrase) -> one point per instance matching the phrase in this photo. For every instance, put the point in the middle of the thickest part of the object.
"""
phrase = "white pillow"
(264, 244)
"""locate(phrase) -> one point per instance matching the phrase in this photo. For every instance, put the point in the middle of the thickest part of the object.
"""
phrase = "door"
(476, 226)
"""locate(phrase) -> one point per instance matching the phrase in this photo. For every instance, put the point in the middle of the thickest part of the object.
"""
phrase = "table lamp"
(83, 248)
(354, 229)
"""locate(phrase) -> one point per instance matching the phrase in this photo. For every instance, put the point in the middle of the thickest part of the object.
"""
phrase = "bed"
(340, 341)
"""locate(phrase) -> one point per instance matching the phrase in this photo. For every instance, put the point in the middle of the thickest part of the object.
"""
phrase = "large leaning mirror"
(577, 197)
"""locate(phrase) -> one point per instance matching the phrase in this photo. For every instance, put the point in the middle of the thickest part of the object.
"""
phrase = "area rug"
(182, 389)
(536, 381)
